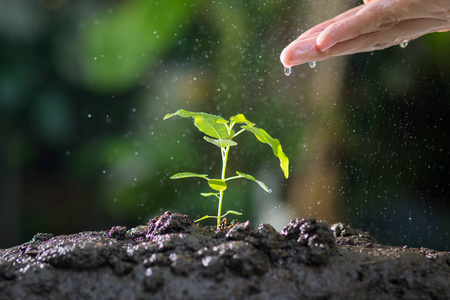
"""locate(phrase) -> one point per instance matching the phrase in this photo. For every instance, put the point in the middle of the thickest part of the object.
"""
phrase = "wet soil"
(173, 258)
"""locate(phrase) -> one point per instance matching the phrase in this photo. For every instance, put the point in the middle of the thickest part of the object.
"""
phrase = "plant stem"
(224, 168)
(219, 211)
(234, 177)
(237, 133)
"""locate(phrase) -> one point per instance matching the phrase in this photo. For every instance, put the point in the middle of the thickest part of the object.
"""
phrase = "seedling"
(220, 133)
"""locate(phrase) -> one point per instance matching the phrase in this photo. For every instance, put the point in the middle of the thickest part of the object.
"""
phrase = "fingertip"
(285, 58)
(299, 52)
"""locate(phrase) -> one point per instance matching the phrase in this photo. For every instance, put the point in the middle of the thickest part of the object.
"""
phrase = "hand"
(375, 25)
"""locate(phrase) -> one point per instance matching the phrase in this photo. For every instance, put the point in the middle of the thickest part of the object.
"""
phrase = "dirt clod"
(168, 223)
(313, 236)
(117, 232)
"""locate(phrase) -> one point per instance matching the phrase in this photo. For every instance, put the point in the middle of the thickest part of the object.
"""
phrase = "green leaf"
(241, 119)
(250, 177)
(212, 125)
(217, 184)
(210, 194)
(189, 174)
(205, 217)
(187, 114)
(233, 212)
(220, 143)
(211, 128)
(264, 137)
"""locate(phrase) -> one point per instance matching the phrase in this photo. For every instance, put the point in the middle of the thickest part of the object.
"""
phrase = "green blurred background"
(84, 86)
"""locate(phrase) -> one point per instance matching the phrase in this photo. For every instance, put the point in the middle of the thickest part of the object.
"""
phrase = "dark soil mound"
(173, 258)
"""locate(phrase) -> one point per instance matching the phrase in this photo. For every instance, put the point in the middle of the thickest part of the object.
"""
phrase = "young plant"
(220, 133)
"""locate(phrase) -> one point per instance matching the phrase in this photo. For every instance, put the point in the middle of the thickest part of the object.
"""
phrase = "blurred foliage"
(84, 86)
(126, 40)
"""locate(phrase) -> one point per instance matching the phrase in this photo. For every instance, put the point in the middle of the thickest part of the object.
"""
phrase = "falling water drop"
(287, 71)
(403, 44)
(312, 64)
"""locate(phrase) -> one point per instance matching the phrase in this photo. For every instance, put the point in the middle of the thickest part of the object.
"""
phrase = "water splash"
(312, 64)
(287, 71)
(403, 44)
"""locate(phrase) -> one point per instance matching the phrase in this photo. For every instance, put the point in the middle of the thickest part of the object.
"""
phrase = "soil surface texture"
(173, 258)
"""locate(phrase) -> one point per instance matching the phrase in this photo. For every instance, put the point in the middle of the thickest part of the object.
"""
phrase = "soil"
(173, 258)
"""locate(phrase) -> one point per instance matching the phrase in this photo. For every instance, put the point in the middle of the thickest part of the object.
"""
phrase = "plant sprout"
(220, 133)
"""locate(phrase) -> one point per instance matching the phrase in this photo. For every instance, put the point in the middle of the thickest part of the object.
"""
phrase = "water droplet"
(287, 71)
(312, 64)
(403, 44)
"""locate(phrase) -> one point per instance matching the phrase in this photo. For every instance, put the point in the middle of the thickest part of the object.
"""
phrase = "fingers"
(376, 25)
(378, 15)
(305, 50)
(305, 44)
(403, 31)
(300, 51)
(366, 20)
(320, 27)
